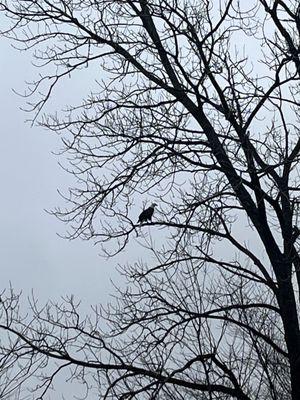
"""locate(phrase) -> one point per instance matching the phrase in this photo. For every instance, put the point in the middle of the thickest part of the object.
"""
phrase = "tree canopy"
(196, 107)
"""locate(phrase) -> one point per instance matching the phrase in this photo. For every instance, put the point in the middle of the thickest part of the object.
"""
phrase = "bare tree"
(199, 110)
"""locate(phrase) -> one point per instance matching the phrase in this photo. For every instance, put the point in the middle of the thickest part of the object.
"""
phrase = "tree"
(199, 112)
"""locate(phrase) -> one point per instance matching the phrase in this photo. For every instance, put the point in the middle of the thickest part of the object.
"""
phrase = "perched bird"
(146, 215)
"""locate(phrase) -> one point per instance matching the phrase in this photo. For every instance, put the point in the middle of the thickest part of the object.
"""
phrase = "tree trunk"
(288, 307)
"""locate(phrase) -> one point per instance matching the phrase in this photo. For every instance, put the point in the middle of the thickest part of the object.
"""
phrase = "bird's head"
(153, 205)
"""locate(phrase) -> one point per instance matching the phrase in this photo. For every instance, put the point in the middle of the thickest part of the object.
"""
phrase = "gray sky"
(32, 255)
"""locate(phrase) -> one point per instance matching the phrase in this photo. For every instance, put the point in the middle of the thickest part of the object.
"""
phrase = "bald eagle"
(146, 215)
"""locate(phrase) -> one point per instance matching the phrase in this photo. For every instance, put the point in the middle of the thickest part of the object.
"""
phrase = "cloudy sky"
(32, 254)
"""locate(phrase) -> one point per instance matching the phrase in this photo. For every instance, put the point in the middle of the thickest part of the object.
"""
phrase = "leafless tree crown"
(195, 105)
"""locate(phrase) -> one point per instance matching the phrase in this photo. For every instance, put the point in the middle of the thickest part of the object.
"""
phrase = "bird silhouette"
(146, 215)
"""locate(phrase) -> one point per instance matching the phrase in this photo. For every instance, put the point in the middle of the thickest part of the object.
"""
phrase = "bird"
(146, 215)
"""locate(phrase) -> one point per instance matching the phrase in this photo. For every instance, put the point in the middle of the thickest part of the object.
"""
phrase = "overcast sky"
(32, 254)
